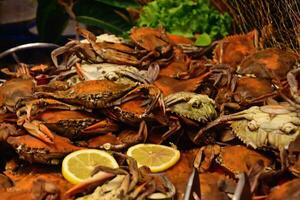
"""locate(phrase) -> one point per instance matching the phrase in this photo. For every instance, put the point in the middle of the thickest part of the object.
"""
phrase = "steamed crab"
(73, 124)
(91, 94)
(155, 41)
(190, 107)
(118, 73)
(13, 90)
(32, 181)
(33, 149)
(233, 49)
(236, 159)
(95, 50)
(271, 126)
(252, 74)
(138, 106)
(118, 142)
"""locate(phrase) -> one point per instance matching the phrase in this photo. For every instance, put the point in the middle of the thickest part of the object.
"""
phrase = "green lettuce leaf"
(186, 17)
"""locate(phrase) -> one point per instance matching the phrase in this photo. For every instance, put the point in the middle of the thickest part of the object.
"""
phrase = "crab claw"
(60, 51)
(39, 130)
(104, 126)
(151, 93)
(36, 106)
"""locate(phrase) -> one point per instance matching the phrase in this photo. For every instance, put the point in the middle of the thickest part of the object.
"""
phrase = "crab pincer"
(39, 130)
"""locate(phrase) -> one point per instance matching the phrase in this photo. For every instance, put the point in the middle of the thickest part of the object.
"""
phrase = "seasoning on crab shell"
(92, 94)
(36, 151)
(75, 124)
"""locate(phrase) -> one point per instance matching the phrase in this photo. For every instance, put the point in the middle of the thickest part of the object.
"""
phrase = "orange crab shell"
(170, 85)
(14, 89)
(149, 38)
(25, 185)
(251, 88)
(268, 62)
(238, 158)
(34, 150)
(233, 49)
(288, 191)
(179, 64)
(209, 185)
(185, 167)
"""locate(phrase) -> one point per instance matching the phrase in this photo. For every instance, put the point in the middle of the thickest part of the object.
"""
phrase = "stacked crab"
(109, 93)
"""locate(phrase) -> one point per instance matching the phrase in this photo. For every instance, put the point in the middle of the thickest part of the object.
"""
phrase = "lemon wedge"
(78, 165)
(157, 157)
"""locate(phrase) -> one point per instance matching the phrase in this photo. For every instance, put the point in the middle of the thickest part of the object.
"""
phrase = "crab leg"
(177, 97)
(103, 126)
(220, 120)
(39, 105)
(293, 83)
(39, 130)
(61, 50)
(98, 179)
(173, 128)
(99, 176)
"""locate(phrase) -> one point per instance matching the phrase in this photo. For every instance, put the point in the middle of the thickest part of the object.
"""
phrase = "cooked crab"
(13, 90)
(117, 73)
(271, 126)
(34, 150)
(34, 182)
(233, 49)
(94, 52)
(288, 191)
(91, 94)
(142, 102)
(236, 159)
(118, 141)
(75, 124)
(189, 106)
(155, 41)
(243, 92)
(272, 63)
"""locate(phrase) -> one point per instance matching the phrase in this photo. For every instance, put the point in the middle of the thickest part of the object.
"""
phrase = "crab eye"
(252, 125)
(289, 128)
(196, 104)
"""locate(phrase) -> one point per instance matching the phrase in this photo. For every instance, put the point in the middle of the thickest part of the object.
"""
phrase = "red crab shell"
(233, 49)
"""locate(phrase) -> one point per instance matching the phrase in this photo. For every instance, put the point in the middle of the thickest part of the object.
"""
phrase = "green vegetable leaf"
(186, 17)
(51, 20)
(203, 40)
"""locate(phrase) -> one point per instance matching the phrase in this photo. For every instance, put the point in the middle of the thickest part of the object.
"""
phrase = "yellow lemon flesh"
(78, 165)
(157, 157)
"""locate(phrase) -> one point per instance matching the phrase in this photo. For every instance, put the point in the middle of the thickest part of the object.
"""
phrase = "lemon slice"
(78, 165)
(157, 157)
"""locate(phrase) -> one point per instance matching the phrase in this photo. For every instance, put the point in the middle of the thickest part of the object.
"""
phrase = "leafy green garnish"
(186, 17)
(203, 40)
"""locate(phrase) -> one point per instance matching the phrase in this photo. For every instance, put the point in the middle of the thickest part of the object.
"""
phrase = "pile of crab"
(230, 108)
